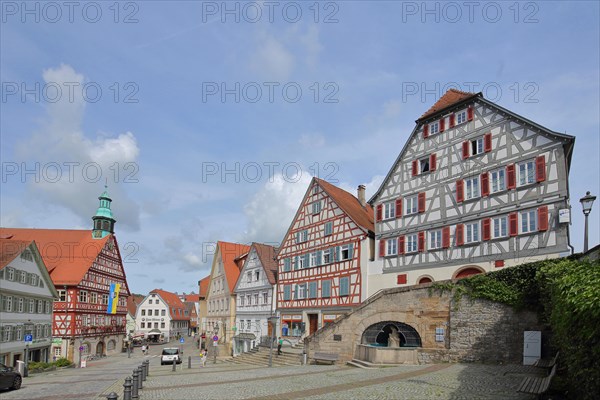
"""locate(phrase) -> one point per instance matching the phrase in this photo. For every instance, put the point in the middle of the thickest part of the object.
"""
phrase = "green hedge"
(41, 366)
(566, 294)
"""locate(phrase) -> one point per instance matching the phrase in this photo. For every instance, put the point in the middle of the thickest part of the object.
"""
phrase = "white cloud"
(77, 184)
(312, 140)
(272, 59)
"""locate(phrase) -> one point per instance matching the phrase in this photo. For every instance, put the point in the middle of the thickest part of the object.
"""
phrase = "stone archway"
(100, 348)
(378, 334)
(468, 271)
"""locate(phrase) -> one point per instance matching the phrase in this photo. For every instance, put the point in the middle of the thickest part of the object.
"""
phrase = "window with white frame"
(34, 279)
(47, 309)
(300, 291)
(23, 277)
(10, 274)
(149, 301)
(300, 262)
(389, 210)
(472, 188)
(9, 303)
(435, 239)
(83, 296)
(19, 333)
(316, 207)
(31, 309)
(256, 298)
(242, 324)
(424, 165)
(528, 221)
(411, 205)
(434, 128)
(40, 306)
(391, 247)
(461, 117)
(20, 302)
(6, 333)
(241, 301)
(62, 295)
(249, 275)
(313, 259)
(326, 256)
(249, 299)
(156, 313)
(93, 297)
(472, 232)
(477, 146)
(499, 227)
(57, 352)
(302, 236)
(498, 178)
(526, 172)
(265, 297)
(411, 243)
(346, 252)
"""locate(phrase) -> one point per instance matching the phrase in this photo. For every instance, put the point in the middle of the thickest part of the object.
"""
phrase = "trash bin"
(304, 357)
(21, 367)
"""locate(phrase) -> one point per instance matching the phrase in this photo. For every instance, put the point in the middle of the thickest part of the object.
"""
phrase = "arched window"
(424, 279)
(469, 271)
(111, 345)
(378, 334)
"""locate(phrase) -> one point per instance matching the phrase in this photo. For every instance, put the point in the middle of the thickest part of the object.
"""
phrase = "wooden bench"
(536, 385)
(546, 363)
(325, 357)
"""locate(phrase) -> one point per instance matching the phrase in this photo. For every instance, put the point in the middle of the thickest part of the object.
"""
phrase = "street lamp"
(586, 204)
(272, 320)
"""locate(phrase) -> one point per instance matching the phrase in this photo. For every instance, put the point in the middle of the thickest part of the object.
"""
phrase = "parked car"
(169, 354)
(9, 378)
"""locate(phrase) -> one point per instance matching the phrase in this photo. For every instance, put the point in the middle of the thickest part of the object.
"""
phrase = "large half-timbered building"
(87, 270)
(475, 188)
(322, 263)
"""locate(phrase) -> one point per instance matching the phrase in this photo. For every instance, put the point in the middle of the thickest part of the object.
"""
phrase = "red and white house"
(476, 187)
(322, 262)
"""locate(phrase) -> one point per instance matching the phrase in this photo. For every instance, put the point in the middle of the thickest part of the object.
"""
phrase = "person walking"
(144, 349)
(204, 355)
(279, 344)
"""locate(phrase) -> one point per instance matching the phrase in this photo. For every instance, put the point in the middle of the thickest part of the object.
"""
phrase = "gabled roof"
(266, 256)
(450, 98)
(133, 302)
(176, 306)
(362, 216)
(192, 297)
(203, 286)
(67, 253)
(231, 254)
(11, 249)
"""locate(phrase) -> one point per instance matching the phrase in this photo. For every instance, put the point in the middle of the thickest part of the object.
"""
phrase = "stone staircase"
(368, 365)
(261, 358)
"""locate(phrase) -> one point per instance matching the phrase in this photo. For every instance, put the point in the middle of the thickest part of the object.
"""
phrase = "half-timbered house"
(322, 262)
(475, 188)
(86, 268)
(254, 292)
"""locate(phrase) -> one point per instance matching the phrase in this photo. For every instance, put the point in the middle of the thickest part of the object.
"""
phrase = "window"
(498, 180)
(162, 325)
(434, 128)
(435, 239)
(105, 299)
(300, 291)
(528, 221)
(257, 275)
(26, 255)
(461, 117)
(11, 274)
(249, 276)
(249, 300)
(391, 247)
(31, 309)
(328, 228)
(157, 301)
(313, 259)
(316, 207)
(155, 325)
(287, 292)
(424, 165)
(20, 305)
(344, 286)
(312, 290)
(1, 274)
(143, 313)
(472, 232)
(287, 265)
(265, 297)
(19, 333)
(477, 146)
(526, 172)
(326, 288)
(156, 313)
(499, 227)
(327, 256)
(93, 298)
(23, 277)
(34, 279)
(163, 312)
(242, 301)
(47, 307)
(40, 306)
(150, 301)
(411, 205)
(83, 296)
(346, 252)
(9, 303)
(389, 210)
(472, 188)
(256, 298)
(411, 243)
(302, 236)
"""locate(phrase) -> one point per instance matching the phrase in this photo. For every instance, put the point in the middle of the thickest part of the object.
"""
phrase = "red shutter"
(381, 248)
(401, 279)
(540, 169)
(398, 207)
(470, 113)
(432, 162)
(499, 263)
(421, 202)
(487, 142)
(485, 184)
(442, 124)
(486, 229)
(401, 245)
(421, 242)
(460, 190)
(415, 166)
(379, 212)
(511, 180)
(459, 234)
(466, 148)
(513, 224)
(452, 120)
(543, 218)
(446, 237)
(425, 131)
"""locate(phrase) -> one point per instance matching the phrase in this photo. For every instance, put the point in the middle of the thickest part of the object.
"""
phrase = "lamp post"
(586, 204)
(272, 320)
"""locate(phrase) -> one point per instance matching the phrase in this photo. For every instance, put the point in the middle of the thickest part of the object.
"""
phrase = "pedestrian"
(279, 344)
(204, 354)
(144, 349)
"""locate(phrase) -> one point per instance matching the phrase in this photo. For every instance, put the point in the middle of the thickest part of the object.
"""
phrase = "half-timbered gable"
(322, 263)
(476, 187)
(254, 292)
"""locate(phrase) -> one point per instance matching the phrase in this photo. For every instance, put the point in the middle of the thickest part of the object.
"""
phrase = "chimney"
(361, 195)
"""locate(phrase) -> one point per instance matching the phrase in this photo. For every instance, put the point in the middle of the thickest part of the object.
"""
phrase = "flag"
(113, 298)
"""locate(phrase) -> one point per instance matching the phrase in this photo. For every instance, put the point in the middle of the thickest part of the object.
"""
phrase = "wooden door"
(313, 323)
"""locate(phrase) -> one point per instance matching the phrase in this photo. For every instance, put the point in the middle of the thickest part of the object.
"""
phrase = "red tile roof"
(449, 98)
(203, 286)
(67, 253)
(10, 249)
(192, 298)
(133, 302)
(176, 306)
(266, 256)
(232, 255)
(363, 216)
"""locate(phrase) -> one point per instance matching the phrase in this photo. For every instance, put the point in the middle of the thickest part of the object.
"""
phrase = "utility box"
(532, 347)
(21, 368)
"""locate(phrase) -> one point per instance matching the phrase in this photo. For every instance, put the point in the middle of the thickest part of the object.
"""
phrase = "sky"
(209, 119)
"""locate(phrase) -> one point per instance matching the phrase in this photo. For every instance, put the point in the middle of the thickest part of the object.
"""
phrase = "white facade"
(153, 314)
(26, 299)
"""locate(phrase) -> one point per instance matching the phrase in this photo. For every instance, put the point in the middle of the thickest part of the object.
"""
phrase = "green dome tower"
(104, 223)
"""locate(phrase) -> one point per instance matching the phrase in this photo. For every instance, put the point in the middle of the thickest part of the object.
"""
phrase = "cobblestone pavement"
(229, 381)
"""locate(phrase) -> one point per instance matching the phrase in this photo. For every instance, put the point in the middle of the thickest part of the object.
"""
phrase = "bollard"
(147, 362)
(142, 368)
(112, 396)
(134, 388)
(189, 362)
(140, 378)
(174, 365)
(127, 389)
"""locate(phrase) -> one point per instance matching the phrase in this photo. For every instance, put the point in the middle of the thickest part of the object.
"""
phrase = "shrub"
(62, 362)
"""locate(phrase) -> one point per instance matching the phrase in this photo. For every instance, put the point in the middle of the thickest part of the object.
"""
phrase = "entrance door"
(100, 348)
(313, 323)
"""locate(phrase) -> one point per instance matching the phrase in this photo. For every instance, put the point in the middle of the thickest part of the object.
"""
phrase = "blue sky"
(144, 94)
